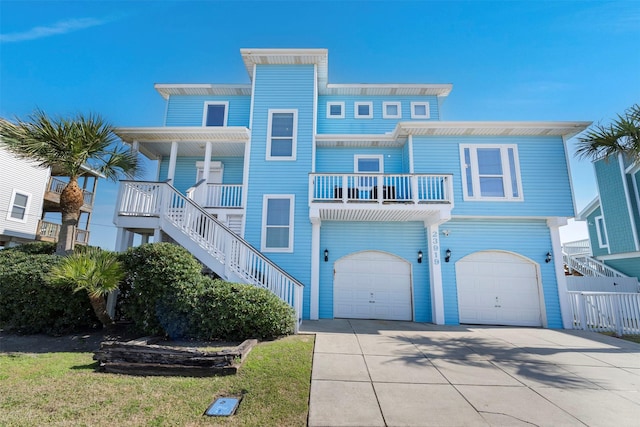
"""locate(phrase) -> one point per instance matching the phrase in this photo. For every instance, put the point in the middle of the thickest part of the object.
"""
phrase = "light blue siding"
(544, 174)
(283, 87)
(614, 206)
(340, 159)
(628, 266)
(596, 250)
(350, 125)
(186, 171)
(188, 110)
(401, 239)
(530, 239)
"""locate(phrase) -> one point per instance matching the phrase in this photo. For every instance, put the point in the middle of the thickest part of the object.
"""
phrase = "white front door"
(372, 285)
(498, 288)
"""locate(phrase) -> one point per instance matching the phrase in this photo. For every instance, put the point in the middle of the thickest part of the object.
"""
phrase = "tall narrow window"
(491, 172)
(215, 113)
(282, 130)
(18, 207)
(601, 231)
(277, 223)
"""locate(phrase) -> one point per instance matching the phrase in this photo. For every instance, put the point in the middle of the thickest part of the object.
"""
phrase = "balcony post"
(415, 195)
(315, 265)
(172, 160)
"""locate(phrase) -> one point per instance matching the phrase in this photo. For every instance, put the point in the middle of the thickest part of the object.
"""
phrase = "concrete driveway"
(382, 373)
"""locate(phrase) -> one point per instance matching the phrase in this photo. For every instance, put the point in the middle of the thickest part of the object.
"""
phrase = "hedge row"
(164, 293)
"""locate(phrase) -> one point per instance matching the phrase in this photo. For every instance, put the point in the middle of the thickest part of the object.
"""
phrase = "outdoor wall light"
(548, 258)
(447, 255)
(326, 255)
(419, 257)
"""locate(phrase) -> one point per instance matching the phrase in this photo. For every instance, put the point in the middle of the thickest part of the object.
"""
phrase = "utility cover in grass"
(223, 407)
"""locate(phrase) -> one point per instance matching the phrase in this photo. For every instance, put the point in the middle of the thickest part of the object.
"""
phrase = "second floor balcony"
(54, 189)
(380, 197)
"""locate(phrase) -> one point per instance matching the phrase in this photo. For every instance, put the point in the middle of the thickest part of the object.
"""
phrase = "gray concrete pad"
(343, 403)
(479, 372)
(370, 373)
(425, 405)
(337, 343)
(594, 407)
(403, 369)
(344, 367)
(507, 406)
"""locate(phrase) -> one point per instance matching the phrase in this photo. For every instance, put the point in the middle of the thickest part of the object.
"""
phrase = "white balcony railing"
(211, 238)
(578, 247)
(216, 195)
(380, 188)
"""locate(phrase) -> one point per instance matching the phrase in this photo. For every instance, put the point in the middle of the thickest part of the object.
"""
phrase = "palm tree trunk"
(99, 305)
(71, 200)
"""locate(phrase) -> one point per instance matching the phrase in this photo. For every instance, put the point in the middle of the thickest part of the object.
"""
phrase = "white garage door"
(372, 285)
(498, 288)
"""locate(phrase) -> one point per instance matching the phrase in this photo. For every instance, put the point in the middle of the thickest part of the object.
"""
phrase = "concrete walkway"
(381, 373)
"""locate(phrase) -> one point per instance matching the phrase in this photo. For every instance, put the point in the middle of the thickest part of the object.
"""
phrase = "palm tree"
(620, 137)
(95, 271)
(69, 146)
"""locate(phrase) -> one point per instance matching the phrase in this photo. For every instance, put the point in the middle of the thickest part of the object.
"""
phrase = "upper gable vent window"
(363, 110)
(391, 110)
(419, 110)
(335, 110)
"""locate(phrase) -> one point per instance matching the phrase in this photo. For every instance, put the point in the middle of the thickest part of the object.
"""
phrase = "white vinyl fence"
(617, 312)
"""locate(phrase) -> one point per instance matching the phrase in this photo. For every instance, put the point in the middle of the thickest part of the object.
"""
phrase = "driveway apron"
(384, 373)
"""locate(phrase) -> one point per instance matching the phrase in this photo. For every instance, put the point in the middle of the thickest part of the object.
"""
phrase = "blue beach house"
(357, 200)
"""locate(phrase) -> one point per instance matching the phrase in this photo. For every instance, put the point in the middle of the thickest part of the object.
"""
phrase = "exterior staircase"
(158, 205)
(577, 258)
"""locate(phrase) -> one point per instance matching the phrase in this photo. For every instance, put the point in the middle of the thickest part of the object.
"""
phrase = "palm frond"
(622, 136)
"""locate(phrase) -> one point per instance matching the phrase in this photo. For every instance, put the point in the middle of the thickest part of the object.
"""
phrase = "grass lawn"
(632, 338)
(64, 389)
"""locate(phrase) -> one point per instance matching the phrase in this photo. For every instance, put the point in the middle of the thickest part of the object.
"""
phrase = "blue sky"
(509, 60)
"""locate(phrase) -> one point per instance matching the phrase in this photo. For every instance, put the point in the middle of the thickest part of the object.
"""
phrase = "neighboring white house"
(30, 202)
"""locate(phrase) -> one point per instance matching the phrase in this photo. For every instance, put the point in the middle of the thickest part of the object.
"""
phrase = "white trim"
(333, 103)
(435, 274)
(561, 279)
(623, 255)
(314, 304)
(205, 111)
(315, 118)
(263, 239)
(506, 173)
(171, 173)
(294, 134)
(356, 115)
(357, 157)
(247, 153)
(385, 115)
(25, 216)
(601, 244)
(591, 206)
(567, 163)
(427, 113)
(627, 195)
(411, 161)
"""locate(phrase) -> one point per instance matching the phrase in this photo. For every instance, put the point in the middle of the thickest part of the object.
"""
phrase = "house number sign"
(435, 247)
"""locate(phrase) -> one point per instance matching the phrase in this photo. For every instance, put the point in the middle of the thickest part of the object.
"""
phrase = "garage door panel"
(502, 293)
(372, 285)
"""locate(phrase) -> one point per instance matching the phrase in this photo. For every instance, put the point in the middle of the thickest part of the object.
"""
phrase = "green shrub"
(30, 305)
(162, 284)
(44, 248)
(233, 311)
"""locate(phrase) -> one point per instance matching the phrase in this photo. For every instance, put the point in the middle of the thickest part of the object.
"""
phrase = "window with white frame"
(19, 206)
(281, 134)
(601, 231)
(491, 172)
(335, 110)
(420, 110)
(363, 110)
(277, 222)
(391, 110)
(215, 113)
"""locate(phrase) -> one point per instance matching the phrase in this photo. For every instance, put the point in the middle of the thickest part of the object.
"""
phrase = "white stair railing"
(577, 256)
(238, 258)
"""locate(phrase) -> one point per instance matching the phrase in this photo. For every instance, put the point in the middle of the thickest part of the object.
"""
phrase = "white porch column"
(172, 161)
(207, 161)
(135, 147)
(556, 252)
(315, 268)
(435, 273)
(157, 235)
(145, 239)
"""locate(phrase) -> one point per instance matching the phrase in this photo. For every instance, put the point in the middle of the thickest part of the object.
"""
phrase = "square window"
(215, 113)
(419, 110)
(335, 110)
(391, 110)
(282, 129)
(491, 172)
(363, 110)
(277, 223)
